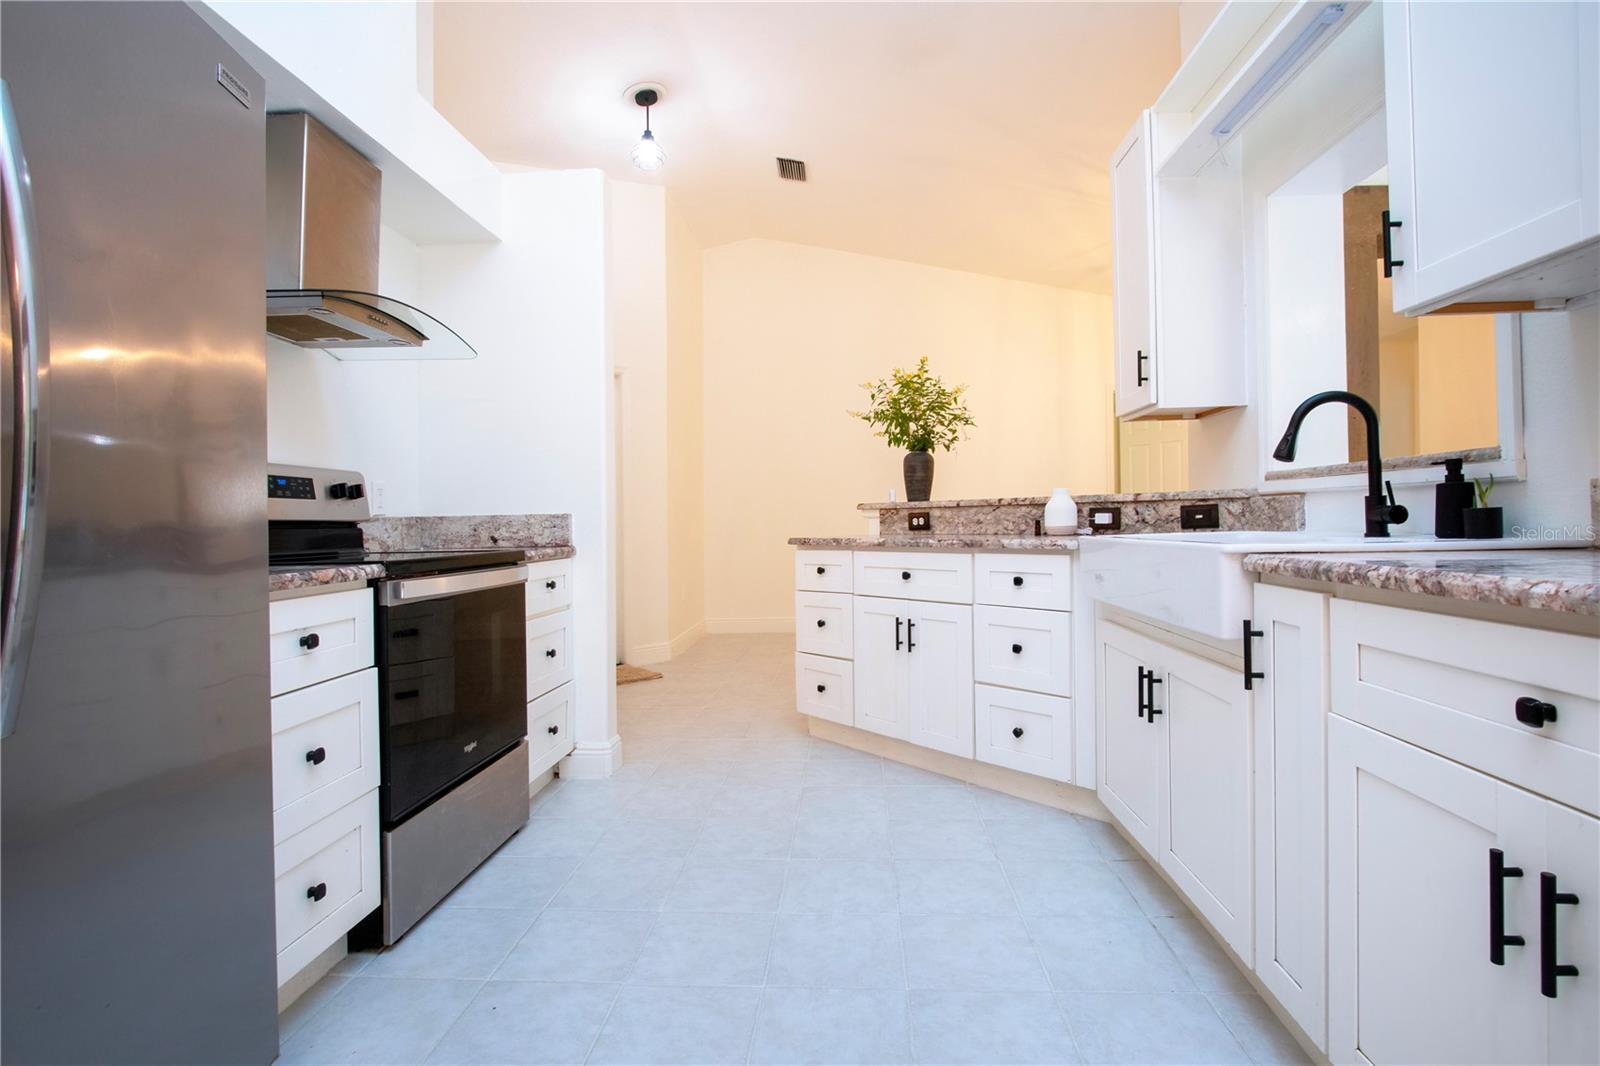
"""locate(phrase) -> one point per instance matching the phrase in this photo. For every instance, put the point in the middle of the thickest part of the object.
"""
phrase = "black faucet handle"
(1397, 513)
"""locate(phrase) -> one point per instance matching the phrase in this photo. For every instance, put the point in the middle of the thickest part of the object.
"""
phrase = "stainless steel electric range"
(452, 680)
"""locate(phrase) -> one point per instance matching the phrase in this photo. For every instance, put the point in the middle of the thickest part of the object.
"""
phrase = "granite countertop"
(1040, 501)
(318, 576)
(943, 542)
(1547, 579)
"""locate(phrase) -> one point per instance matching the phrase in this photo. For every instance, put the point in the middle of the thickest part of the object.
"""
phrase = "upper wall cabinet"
(1493, 151)
(1179, 287)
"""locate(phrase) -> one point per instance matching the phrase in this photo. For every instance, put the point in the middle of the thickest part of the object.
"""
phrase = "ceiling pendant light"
(647, 154)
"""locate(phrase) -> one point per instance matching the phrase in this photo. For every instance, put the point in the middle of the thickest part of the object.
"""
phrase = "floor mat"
(627, 675)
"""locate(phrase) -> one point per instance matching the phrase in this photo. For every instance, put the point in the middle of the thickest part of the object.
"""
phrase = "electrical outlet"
(1199, 516)
(1105, 519)
(377, 495)
(919, 521)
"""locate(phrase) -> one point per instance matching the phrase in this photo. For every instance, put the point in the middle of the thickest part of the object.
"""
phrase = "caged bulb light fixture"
(647, 154)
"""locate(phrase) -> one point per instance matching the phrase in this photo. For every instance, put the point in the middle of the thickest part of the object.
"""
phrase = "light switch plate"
(919, 521)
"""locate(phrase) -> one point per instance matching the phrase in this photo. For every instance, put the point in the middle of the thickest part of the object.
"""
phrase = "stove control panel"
(310, 494)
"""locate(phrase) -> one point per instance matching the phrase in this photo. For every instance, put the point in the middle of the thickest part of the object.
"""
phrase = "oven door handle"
(414, 589)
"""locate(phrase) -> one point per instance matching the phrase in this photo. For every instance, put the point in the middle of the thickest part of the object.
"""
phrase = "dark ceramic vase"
(918, 467)
(1484, 523)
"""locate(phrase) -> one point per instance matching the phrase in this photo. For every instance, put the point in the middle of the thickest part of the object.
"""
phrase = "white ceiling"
(964, 135)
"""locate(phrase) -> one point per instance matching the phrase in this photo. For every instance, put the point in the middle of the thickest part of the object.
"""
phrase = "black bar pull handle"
(1549, 969)
(411, 631)
(911, 645)
(407, 694)
(897, 641)
(1389, 261)
(1140, 377)
(1499, 940)
(1143, 673)
(1251, 674)
(1150, 709)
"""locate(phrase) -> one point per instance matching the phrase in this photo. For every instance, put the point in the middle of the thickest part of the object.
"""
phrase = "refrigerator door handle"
(24, 549)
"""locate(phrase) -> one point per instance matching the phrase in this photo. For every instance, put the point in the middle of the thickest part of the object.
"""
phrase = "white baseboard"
(315, 970)
(780, 624)
(687, 639)
(646, 654)
(593, 762)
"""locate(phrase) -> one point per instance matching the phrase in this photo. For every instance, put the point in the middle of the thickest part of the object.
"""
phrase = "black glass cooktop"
(297, 546)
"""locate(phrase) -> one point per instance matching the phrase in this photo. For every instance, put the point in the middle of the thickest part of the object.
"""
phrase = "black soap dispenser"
(1451, 498)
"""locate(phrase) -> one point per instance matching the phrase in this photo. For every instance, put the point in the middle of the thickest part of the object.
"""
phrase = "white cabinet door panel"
(824, 687)
(549, 652)
(1573, 856)
(939, 576)
(1132, 207)
(549, 586)
(1026, 731)
(881, 666)
(1130, 767)
(313, 638)
(939, 661)
(1409, 973)
(822, 571)
(1290, 715)
(1040, 581)
(324, 749)
(1206, 834)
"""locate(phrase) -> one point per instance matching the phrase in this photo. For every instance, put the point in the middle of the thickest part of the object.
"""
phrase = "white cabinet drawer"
(1023, 649)
(1039, 581)
(824, 688)
(549, 729)
(549, 586)
(549, 652)
(326, 881)
(822, 571)
(1025, 731)
(1452, 685)
(324, 749)
(314, 638)
(914, 576)
(822, 624)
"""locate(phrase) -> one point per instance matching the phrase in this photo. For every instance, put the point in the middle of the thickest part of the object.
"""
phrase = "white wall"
(356, 415)
(792, 332)
(637, 257)
(686, 591)
(526, 427)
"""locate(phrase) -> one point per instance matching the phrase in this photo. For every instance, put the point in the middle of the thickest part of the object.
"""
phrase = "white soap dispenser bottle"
(1060, 514)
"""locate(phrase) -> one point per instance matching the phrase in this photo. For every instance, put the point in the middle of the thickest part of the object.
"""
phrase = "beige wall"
(1456, 405)
(685, 436)
(791, 333)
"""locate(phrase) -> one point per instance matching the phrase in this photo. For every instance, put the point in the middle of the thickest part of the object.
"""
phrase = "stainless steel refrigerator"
(136, 872)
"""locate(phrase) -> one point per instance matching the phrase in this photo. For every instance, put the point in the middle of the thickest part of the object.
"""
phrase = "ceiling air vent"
(791, 169)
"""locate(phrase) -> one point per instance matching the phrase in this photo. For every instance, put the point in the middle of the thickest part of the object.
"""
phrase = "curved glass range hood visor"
(352, 325)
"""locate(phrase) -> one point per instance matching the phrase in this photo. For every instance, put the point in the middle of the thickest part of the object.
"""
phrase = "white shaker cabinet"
(1130, 752)
(913, 672)
(1290, 714)
(1494, 156)
(1178, 286)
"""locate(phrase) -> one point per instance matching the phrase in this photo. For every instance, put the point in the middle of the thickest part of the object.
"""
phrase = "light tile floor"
(739, 892)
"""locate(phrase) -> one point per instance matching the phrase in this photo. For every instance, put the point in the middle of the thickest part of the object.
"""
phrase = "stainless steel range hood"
(322, 253)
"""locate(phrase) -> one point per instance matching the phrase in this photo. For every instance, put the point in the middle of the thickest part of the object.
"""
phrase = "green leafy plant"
(916, 411)
(1482, 491)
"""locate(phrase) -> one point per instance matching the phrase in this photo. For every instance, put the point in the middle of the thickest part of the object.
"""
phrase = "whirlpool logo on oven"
(468, 749)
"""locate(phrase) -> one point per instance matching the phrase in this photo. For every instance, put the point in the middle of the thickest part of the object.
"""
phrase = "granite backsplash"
(388, 533)
(1141, 512)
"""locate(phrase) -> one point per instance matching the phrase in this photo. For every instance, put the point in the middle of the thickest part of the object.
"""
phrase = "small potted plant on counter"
(1483, 522)
(916, 411)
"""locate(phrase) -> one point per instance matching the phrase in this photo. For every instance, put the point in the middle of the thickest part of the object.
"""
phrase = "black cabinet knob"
(905, 575)
(1017, 581)
(316, 756)
(1534, 712)
(549, 653)
(551, 585)
(310, 642)
(1016, 731)
(822, 569)
(317, 891)
(553, 730)
(822, 688)
(1016, 649)
(821, 622)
